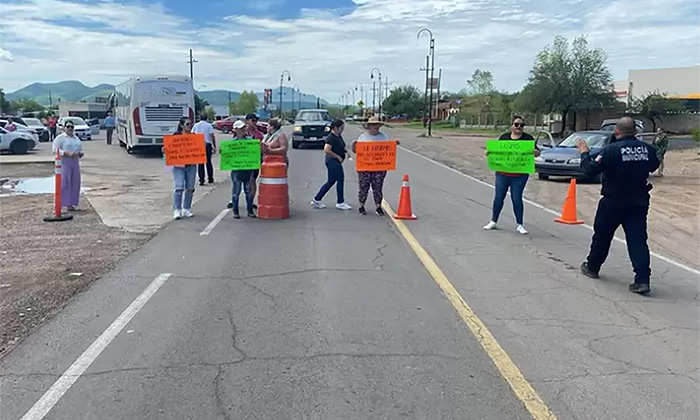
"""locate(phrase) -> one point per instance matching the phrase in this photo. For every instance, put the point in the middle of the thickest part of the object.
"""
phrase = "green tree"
(481, 83)
(404, 100)
(5, 105)
(26, 105)
(211, 113)
(567, 78)
(247, 102)
(233, 108)
(199, 104)
(653, 105)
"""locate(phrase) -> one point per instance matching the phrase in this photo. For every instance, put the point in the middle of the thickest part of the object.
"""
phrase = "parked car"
(226, 125)
(18, 142)
(609, 125)
(82, 130)
(14, 118)
(41, 131)
(311, 127)
(564, 158)
(94, 125)
(21, 127)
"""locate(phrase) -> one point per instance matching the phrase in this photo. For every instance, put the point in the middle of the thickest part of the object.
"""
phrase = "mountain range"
(74, 91)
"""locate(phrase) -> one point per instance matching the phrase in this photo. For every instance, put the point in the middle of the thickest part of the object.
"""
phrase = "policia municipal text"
(625, 164)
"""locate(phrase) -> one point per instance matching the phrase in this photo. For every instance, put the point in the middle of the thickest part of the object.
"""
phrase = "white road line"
(207, 230)
(541, 207)
(42, 407)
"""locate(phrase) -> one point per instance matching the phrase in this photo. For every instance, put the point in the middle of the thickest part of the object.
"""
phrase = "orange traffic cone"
(569, 215)
(404, 212)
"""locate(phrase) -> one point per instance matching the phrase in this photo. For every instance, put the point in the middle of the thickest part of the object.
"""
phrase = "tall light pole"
(371, 76)
(429, 84)
(191, 62)
(362, 98)
(295, 88)
(289, 79)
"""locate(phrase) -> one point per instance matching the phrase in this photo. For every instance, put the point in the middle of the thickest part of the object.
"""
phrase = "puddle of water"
(29, 186)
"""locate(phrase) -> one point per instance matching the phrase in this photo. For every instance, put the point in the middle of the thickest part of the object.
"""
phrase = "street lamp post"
(362, 98)
(295, 88)
(429, 85)
(371, 76)
(289, 79)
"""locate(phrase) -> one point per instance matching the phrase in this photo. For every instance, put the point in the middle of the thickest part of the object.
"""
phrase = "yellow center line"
(510, 372)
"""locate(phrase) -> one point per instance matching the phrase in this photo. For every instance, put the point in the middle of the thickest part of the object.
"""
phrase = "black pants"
(632, 215)
(210, 167)
(336, 176)
(52, 133)
(110, 131)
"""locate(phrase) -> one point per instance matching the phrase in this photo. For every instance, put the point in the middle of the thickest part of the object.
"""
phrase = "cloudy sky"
(329, 45)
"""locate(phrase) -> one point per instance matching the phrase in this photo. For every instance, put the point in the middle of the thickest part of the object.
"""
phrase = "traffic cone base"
(569, 214)
(404, 211)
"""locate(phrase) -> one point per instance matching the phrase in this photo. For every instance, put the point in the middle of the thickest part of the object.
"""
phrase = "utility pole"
(191, 62)
(432, 78)
(289, 78)
(373, 94)
(437, 99)
(425, 96)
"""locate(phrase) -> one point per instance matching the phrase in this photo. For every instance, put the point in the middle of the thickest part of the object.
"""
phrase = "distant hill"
(75, 91)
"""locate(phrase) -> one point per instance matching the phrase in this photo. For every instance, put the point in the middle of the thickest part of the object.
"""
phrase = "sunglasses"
(187, 124)
(70, 126)
(519, 125)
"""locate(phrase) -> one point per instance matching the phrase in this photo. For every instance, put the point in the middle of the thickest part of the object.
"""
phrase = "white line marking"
(541, 207)
(207, 230)
(42, 407)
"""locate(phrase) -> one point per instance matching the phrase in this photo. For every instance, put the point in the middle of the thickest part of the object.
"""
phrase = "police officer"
(625, 164)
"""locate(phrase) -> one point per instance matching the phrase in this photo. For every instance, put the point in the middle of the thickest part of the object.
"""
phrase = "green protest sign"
(511, 156)
(240, 155)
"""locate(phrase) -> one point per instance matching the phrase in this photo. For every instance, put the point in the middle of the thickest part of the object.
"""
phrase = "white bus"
(148, 107)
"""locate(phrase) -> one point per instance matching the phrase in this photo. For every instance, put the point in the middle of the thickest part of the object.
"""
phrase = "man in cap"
(241, 179)
(625, 164)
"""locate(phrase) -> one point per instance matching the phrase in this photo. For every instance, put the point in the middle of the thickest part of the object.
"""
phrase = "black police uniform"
(625, 165)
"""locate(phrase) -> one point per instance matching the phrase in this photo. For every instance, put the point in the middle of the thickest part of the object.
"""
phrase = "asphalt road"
(331, 315)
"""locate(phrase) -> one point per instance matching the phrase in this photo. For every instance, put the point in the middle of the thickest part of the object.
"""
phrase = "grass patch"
(446, 126)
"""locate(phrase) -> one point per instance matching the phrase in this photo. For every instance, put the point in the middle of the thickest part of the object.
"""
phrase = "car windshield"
(313, 116)
(32, 121)
(75, 120)
(592, 139)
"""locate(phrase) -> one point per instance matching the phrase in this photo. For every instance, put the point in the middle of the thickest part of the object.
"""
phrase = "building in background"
(677, 82)
(85, 110)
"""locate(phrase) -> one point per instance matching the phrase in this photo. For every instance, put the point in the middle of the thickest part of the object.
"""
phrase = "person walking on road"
(52, 128)
(371, 179)
(661, 144)
(275, 142)
(251, 127)
(625, 165)
(70, 148)
(184, 178)
(110, 123)
(241, 179)
(513, 182)
(203, 127)
(335, 156)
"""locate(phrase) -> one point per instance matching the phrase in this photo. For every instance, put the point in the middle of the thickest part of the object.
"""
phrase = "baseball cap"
(239, 124)
(251, 117)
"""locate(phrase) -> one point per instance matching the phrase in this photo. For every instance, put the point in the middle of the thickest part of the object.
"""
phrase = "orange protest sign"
(184, 149)
(373, 156)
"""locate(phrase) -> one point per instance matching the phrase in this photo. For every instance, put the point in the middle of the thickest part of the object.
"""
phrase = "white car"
(22, 128)
(18, 142)
(41, 131)
(82, 130)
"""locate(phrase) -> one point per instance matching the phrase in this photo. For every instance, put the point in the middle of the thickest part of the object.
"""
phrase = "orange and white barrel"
(273, 191)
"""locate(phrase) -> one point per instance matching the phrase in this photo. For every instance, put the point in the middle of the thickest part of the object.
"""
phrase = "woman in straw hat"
(373, 179)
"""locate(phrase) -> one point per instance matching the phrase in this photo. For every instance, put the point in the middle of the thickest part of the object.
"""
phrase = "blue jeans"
(517, 187)
(336, 177)
(184, 178)
(238, 185)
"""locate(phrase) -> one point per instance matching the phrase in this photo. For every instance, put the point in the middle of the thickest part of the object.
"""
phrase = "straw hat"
(372, 120)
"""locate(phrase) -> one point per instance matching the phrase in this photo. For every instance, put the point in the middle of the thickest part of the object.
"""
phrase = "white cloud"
(328, 52)
(5, 55)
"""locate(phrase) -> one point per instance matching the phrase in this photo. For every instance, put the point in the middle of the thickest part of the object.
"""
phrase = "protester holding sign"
(236, 156)
(510, 180)
(335, 156)
(184, 178)
(371, 178)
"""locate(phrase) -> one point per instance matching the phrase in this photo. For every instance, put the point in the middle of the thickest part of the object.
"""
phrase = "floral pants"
(374, 180)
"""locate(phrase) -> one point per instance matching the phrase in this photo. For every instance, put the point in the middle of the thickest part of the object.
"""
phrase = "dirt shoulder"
(38, 259)
(674, 230)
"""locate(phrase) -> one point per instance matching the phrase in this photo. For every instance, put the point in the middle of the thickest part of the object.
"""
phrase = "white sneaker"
(317, 204)
(490, 226)
(187, 213)
(521, 230)
(177, 215)
(343, 206)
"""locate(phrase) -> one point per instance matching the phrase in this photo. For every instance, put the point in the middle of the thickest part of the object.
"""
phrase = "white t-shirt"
(65, 143)
(203, 127)
(368, 137)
